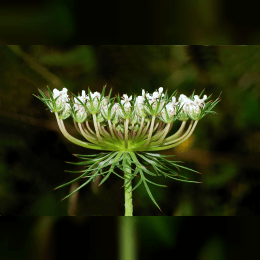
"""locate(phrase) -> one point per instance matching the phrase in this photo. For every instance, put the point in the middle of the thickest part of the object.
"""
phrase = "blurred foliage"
(224, 147)
(211, 22)
(43, 238)
(153, 237)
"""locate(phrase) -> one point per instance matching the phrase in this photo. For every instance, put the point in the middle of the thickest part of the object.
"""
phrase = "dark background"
(211, 22)
(225, 147)
(155, 237)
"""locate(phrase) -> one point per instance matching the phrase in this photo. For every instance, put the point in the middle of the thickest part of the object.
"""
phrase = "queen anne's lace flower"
(126, 99)
(95, 95)
(59, 100)
(128, 129)
(94, 100)
(154, 103)
(139, 105)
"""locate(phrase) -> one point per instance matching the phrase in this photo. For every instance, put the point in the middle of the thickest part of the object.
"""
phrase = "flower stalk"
(128, 188)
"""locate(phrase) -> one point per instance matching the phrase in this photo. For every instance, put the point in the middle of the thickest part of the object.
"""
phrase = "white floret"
(62, 98)
(126, 99)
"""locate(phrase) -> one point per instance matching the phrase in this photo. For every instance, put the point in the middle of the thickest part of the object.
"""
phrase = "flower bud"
(183, 103)
(100, 118)
(104, 102)
(94, 102)
(126, 111)
(139, 106)
(80, 114)
(194, 111)
(65, 113)
(168, 113)
(152, 107)
(58, 103)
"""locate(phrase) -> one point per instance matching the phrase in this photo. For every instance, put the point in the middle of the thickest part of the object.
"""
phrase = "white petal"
(56, 93)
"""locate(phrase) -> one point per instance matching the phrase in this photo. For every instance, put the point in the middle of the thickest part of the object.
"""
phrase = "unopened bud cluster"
(131, 121)
(85, 105)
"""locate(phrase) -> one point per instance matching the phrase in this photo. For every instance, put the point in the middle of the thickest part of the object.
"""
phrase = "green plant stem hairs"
(128, 187)
(128, 133)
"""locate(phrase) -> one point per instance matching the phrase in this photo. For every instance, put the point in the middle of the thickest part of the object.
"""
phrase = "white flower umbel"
(129, 131)
(57, 100)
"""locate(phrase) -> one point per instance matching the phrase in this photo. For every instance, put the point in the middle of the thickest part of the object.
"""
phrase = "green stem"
(141, 128)
(128, 189)
(150, 132)
(109, 136)
(126, 133)
(102, 132)
(73, 139)
(96, 126)
(89, 138)
(178, 143)
(90, 130)
(76, 126)
(165, 132)
(115, 131)
(158, 133)
(111, 130)
(142, 136)
(178, 133)
(181, 137)
(127, 239)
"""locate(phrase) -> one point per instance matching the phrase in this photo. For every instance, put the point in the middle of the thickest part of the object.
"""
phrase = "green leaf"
(172, 172)
(156, 184)
(118, 157)
(138, 184)
(146, 159)
(181, 179)
(51, 95)
(148, 190)
(134, 174)
(43, 95)
(119, 175)
(106, 177)
(65, 184)
(140, 165)
(84, 184)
